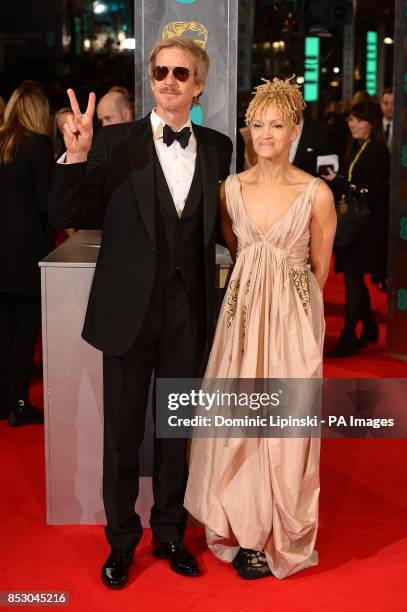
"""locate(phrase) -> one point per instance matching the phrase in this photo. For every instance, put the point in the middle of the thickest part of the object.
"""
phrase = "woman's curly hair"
(285, 95)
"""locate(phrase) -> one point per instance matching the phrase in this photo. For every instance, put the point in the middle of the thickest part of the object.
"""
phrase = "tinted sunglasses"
(160, 73)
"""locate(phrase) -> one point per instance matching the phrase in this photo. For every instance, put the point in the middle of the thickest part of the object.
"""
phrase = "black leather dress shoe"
(346, 346)
(115, 572)
(22, 413)
(370, 333)
(181, 560)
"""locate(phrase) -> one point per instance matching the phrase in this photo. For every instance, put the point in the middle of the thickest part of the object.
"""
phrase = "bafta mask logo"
(189, 29)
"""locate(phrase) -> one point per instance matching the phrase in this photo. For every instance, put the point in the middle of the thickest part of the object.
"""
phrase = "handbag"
(353, 214)
(352, 210)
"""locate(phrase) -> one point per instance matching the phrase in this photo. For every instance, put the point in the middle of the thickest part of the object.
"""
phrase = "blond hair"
(199, 55)
(285, 95)
(26, 112)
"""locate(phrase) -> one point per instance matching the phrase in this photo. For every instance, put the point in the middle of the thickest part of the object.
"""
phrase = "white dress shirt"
(178, 164)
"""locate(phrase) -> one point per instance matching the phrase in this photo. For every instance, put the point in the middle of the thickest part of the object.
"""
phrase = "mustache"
(168, 89)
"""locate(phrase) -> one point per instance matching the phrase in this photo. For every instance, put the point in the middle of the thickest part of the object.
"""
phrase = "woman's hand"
(78, 129)
(330, 176)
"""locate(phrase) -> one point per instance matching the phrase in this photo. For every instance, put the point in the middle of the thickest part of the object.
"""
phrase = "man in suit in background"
(151, 301)
(386, 104)
(313, 140)
(114, 107)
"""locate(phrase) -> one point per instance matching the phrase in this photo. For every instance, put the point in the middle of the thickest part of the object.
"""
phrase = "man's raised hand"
(78, 129)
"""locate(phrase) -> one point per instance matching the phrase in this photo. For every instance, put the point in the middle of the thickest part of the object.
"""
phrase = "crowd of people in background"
(358, 131)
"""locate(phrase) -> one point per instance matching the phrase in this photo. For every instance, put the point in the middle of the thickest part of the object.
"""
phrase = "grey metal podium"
(73, 398)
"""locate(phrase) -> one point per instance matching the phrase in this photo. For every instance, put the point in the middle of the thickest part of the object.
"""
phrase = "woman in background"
(366, 164)
(26, 161)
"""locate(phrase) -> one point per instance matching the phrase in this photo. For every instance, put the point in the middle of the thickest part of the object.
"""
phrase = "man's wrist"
(75, 158)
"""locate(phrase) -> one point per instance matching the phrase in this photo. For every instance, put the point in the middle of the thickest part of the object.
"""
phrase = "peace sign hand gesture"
(78, 129)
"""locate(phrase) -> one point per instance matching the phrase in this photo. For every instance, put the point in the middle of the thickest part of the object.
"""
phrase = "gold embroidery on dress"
(244, 309)
(232, 301)
(244, 314)
(244, 320)
(248, 285)
(300, 279)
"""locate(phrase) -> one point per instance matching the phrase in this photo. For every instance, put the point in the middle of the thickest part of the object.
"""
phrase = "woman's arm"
(226, 223)
(322, 230)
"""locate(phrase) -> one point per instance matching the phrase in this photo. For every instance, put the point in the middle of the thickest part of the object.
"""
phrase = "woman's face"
(272, 132)
(359, 128)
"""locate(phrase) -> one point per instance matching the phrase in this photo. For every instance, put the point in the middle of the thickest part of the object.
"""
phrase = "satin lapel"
(209, 172)
(141, 161)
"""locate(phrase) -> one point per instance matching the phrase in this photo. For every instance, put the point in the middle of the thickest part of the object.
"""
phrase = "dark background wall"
(79, 43)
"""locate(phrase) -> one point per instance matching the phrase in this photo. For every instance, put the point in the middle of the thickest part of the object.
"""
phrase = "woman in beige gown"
(258, 497)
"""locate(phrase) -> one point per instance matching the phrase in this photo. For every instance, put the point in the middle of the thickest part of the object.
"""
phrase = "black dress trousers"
(171, 343)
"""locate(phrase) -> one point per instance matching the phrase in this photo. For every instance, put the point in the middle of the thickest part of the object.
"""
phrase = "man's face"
(387, 105)
(171, 95)
(109, 111)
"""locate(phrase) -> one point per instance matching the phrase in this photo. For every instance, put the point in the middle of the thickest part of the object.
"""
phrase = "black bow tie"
(183, 136)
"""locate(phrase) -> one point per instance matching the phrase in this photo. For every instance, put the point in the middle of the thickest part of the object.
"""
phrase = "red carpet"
(372, 362)
(362, 537)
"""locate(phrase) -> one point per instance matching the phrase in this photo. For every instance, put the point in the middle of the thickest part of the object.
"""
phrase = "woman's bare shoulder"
(324, 199)
(300, 176)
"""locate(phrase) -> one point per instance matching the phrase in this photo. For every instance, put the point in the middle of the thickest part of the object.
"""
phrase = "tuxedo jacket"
(116, 190)
(314, 141)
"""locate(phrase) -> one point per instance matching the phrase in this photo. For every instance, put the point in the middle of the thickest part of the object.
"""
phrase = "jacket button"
(153, 250)
(177, 268)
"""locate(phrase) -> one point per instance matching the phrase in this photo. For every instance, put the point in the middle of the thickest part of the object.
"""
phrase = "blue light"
(196, 115)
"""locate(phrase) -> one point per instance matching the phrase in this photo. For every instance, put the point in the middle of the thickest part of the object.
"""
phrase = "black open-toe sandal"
(241, 557)
(253, 565)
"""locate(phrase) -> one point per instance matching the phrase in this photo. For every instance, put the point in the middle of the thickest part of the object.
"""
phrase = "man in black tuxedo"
(312, 141)
(151, 301)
